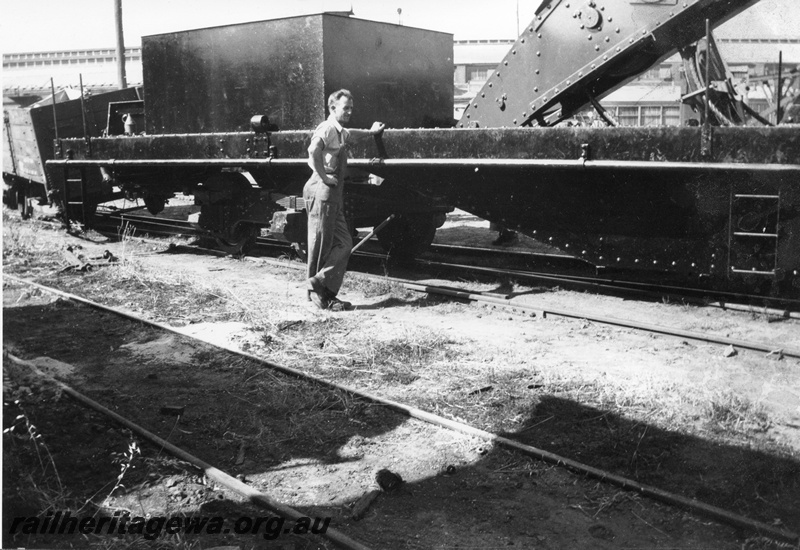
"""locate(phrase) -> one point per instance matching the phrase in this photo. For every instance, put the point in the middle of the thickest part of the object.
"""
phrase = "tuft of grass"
(731, 412)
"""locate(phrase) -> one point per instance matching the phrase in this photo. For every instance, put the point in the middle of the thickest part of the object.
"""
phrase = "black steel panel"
(215, 79)
(574, 50)
(640, 198)
(399, 75)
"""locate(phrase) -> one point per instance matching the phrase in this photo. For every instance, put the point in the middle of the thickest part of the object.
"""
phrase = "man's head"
(340, 104)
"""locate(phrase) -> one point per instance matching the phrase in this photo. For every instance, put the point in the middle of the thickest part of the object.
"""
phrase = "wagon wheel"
(24, 205)
(409, 235)
(237, 240)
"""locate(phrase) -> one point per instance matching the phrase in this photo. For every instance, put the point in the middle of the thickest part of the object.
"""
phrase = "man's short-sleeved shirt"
(334, 138)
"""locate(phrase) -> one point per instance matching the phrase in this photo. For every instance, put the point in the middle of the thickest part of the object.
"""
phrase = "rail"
(655, 493)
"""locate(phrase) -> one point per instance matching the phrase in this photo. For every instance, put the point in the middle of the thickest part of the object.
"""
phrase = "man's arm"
(358, 135)
(316, 163)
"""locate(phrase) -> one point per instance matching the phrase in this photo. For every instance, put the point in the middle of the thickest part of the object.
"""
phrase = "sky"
(74, 24)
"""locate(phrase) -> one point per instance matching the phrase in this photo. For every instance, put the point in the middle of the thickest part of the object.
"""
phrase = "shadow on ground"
(251, 421)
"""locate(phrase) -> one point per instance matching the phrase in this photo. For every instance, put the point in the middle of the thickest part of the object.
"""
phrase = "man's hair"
(337, 95)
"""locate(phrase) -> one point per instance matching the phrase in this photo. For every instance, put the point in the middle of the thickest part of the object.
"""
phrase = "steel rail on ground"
(714, 512)
(224, 479)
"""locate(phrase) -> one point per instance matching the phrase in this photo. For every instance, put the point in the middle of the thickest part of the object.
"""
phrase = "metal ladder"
(74, 177)
(765, 212)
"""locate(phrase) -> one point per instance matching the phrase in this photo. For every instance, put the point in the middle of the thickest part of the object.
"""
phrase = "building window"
(672, 116)
(478, 74)
(628, 116)
(651, 115)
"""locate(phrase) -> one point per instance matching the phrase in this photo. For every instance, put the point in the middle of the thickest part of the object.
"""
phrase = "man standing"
(329, 238)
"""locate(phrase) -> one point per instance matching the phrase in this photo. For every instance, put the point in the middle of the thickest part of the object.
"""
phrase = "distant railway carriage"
(29, 135)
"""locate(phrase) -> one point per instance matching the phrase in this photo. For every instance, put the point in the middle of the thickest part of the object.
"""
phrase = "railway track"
(716, 513)
(535, 268)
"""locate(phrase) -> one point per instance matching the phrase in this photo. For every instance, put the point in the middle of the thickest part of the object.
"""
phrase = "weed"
(125, 461)
(734, 413)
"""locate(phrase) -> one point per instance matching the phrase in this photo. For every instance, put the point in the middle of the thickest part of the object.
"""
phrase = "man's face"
(342, 109)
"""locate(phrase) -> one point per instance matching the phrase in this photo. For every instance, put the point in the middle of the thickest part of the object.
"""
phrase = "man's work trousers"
(329, 242)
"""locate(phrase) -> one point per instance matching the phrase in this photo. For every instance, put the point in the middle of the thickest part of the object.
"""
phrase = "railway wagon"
(255, 78)
(29, 135)
(709, 203)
